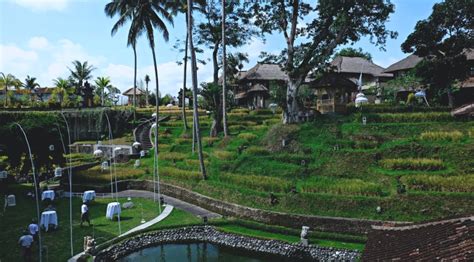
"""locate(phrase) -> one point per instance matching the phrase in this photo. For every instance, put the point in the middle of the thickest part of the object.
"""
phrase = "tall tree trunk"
(224, 58)
(146, 95)
(134, 82)
(215, 64)
(157, 121)
(183, 94)
(450, 98)
(292, 108)
(6, 96)
(195, 85)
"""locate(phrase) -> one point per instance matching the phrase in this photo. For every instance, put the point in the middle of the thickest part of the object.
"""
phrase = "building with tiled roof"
(447, 240)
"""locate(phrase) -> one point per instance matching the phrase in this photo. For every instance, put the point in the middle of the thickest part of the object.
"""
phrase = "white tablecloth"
(113, 209)
(47, 218)
(47, 194)
(88, 195)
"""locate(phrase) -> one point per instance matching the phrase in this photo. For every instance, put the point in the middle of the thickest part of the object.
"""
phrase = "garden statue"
(87, 95)
(89, 244)
(304, 235)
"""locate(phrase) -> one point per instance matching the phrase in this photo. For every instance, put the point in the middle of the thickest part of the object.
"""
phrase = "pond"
(195, 252)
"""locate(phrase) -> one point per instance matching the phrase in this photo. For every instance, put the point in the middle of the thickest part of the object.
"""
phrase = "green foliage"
(408, 117)
(179, 174)
(260, 183)
(223, 155)
(390, 108)
(463, 183)
(95, 174)
(256, 150)
(441, 135)
(172, 156)
(247, 136)
(421, 164)
(342, 187)
(352, 52)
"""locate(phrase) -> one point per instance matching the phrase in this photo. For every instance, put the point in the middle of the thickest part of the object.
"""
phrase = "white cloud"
(38, 42)
(14, 59)
(43, 5)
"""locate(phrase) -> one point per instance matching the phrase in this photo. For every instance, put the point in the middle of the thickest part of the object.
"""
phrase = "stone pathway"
(155, 220)
(193, 209)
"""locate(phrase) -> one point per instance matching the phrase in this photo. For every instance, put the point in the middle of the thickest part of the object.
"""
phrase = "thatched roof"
(263, 71)
(129, 92)
(406, 63)
(356, 65)
(333, 80)
(240, 95)
(257, 88)
(447, 240)
(237, 76)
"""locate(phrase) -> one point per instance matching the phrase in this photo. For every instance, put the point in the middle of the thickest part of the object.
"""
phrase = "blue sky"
(40, 38)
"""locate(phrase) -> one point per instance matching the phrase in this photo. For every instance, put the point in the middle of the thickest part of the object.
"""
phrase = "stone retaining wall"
(196, 234)
(320, 223)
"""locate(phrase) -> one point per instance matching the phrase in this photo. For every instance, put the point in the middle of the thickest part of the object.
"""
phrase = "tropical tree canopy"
(328, 24)
(443, 39)
(81, 72)
(352, 52)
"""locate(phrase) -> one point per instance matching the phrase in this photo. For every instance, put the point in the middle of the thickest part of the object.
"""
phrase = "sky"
(41, 38)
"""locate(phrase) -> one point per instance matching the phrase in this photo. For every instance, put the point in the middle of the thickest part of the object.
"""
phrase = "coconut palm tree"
(224, 93)
(147, 80)
(7, 81)
(62, 86)
(30, 84)
(181, 7)
(102, 83)
(81, 72)
(195, 84)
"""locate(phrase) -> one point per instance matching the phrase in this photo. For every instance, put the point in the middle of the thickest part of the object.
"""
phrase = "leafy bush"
(407, 117)
(342, 187)
(257, 150)
(439, 183)
(263, 183)
(182, 141)
(237, 114)
(261, 112)
(209, 140)
(389, 108)
(247, 136)
(421, 164)
(95, 174)
(223, 155)
(441, 135)
(180, 174)
(195, 162)
(172, 156)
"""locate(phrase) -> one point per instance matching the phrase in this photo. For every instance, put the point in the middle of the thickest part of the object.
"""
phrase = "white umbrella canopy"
(361, 99)
(98, 153)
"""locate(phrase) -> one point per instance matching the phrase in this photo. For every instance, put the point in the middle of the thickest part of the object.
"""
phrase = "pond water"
(195, 252)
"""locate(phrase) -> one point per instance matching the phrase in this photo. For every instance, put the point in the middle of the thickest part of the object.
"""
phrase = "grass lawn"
(241, 230)
(15, 219)
(337, 166)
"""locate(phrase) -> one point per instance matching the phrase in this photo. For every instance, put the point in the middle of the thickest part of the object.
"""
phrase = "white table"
(47, 194)
(48, 218)
(88, 195)
(11, 201)
(113, 209)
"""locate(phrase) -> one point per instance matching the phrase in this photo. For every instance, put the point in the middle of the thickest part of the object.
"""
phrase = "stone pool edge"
(209, 234)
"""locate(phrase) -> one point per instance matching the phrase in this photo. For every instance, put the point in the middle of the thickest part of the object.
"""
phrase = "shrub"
(95, 174)
(343, 187)
(172, 156)
(247, 136)
(209, 140)
(421, 164)
(408, 117)
(438, 183)
(223, 155)
(257, 150)
(237, 114)
(273, 121)
(441, 135)
(261, 183)
(195, 162)
(388, 108)
(182, 141)
(471, 132)
(258, 112)
(180, 174)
